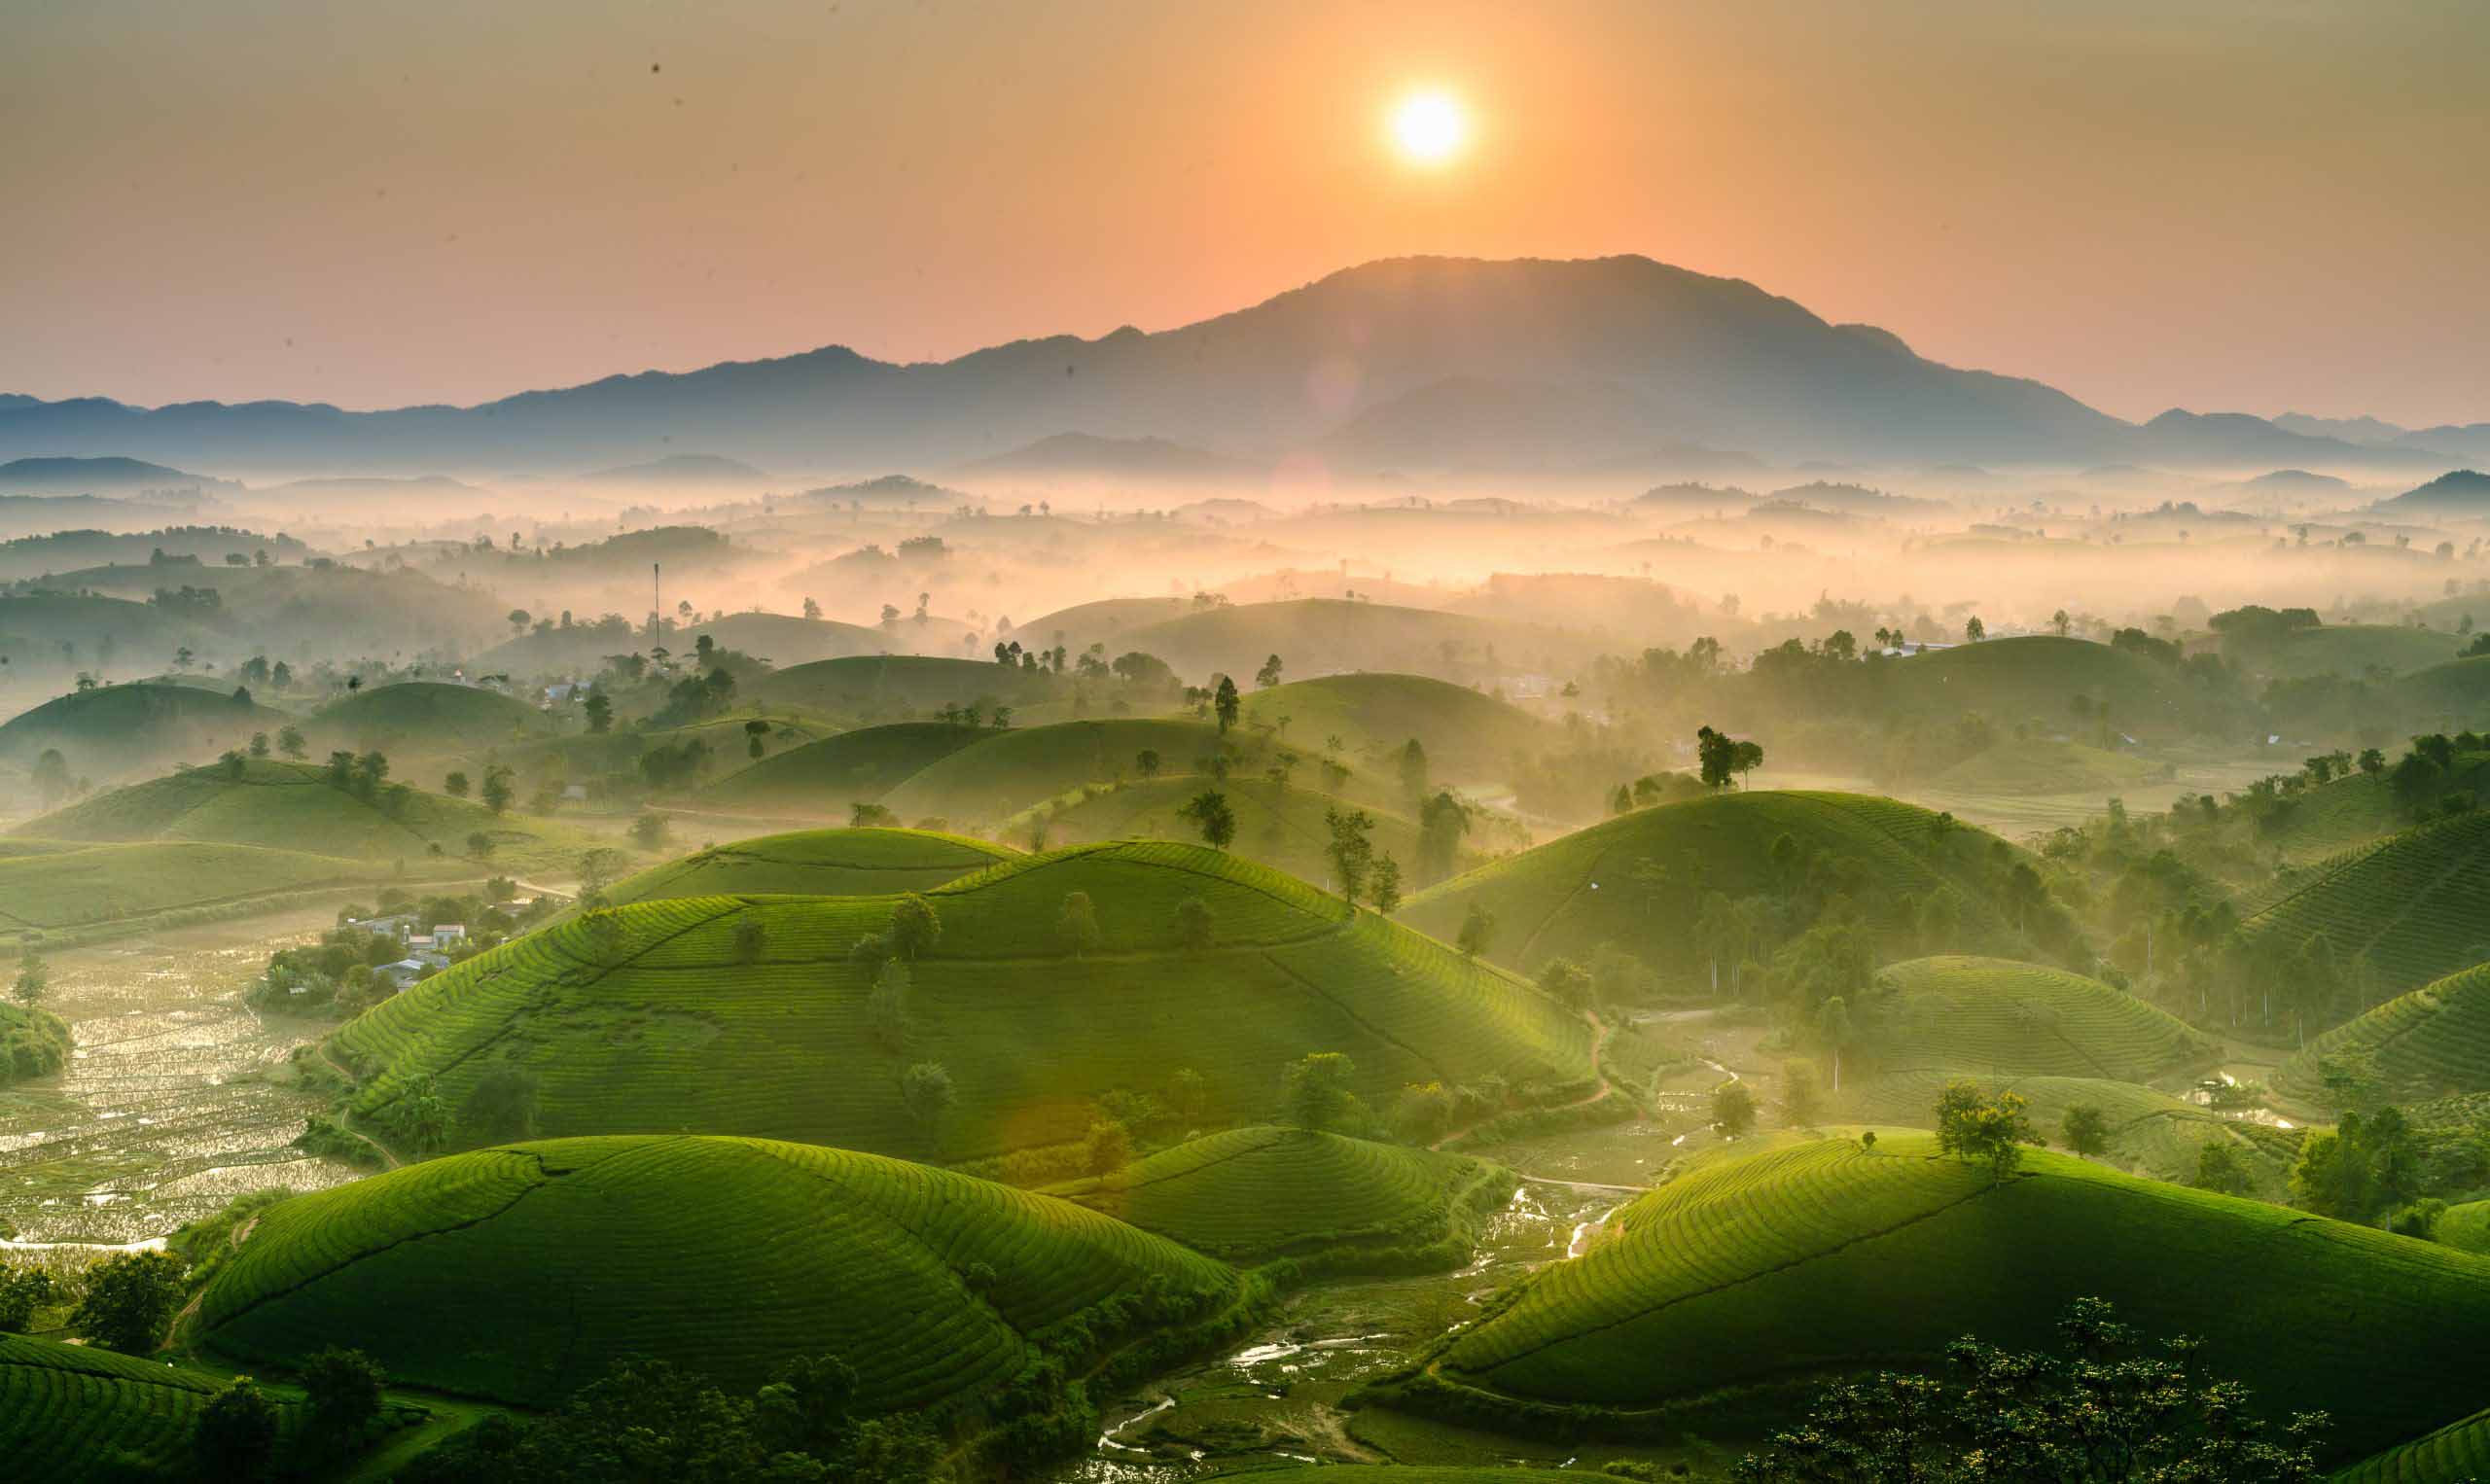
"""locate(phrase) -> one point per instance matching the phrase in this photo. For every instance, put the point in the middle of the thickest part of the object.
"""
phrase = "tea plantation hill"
(1107, 622)
(2457, 1453)
(782, 640)
(672, 1014)
(1249, 1195)
(521, 1273)
(2456, 694)
(816, 863)
(2036, 675)
(824, 778)
(2431, 1042)
(1999, 1017)
(1469, 736)
(106, 635)
(2349, 650)
(293, 806)
(1004, 773)
(428, 718)
(2414, 907)
(2149, 1133)
(892, 687)
(1568, 897)
(1346, 635)
(113, 731)
(2043, 766)
(1276, 823)
(1719, 1300)
(65, 889)
(2466, 1228)
(2326, 821)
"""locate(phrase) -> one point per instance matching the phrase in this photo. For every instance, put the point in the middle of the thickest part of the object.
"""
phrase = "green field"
(1469, 737)
(892, 688)
(83, 890)
(1276, 823)
(2466, 1228)
(2456, 692)
(114, 730)
(2350, 650)
(781, 639)
(1633, 881)
(2457, 1453)
(1997, 1016)
(1336, 633)
(2032, 676)
(816, 863)
(2414, 907)
(1743, 1280)
(1006, 771)
(74, 1413)
(2432, 1043)
(1252, 1195)
(2045, 767)
(824, 778)
(663, 1024)
(521, 1273)
(429, 718)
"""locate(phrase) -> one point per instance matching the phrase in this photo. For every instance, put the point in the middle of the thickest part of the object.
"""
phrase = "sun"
(1428, 128)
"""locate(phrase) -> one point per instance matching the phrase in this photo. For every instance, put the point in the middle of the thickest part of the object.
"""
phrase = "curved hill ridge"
(428, 715)
(1987, 1016)
(673, 1013)
(2457, 1453)
(895, 686)
(1004, 773)
(1468, 736)
(76, 1413)
(2432, 1043)
(852, 767)
(2149, 1133)
(783, 640)
(58, 887)
(1276, 823)
(2350, 650)
(1596, 885)
(1234, 639)
(816, 863)
(2456, 689)
(2032, 675)
(114, 730)
(519, 1273)
(1820, 1258)
(2414, 906)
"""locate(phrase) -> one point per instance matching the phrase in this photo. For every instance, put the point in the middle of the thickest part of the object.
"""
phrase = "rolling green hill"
(293, 806)
(890, 687)
(2414, 907)
(1005, 772)
(519, 1273)
(668, 1014)
(2466, 1226)
(1253, 1194)
(2033, 675)
(114, 730)
(1633, 881)
(1339, 634)
(2350, 650)
(82, 890)
(1107, 622)
(1469, 737)
(1775, 1271)
(2457, 1453)
(816, 863)
(76, 1413)
(823, 778)
(1276, 823)
(425, 717)
(2457, 691)
(2043, 766)
(1997, 1016)
(2432, 1043)
(782, 640)
(2150, 1133)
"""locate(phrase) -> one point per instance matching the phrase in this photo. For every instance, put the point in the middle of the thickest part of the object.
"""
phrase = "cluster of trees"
(33, 1041)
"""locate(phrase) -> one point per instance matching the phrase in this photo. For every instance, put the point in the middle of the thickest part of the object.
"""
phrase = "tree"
(1194, 928)
(128, 1299)
(234, 1437)
(1107, 1148)
(1974, 630)
(1443, 820)
(599, 708)
(1208, 812)
(290, 741)
(1986, 1130)
(648, 832)
(2221, 1170)
(1349, 850)
(501, 1107)
(925, 1090)
(518, 620)
(812, 611)
(454, 785)
(34, 976)
(1145, 762)
(1733, 1109)
(2101, 1409)
(1078, 923)
(498, 791)
(259, 744)
(343, 1388)
(863, 816)
(1225, 704)
(1800, 1100)
(1314, 1091)
(1566, 982)
(915, 927)
(1385, 890)
(2373, 762)
(50, 777)
(1834, 1029)
(1414, 773)
(1477, 931)
(2059, 622)
(1720, 758)
(1269, 675)
(887, 1008)
(24, 1290)
(2085, 1129)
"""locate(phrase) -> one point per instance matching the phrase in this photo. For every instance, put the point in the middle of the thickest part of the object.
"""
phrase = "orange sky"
(2250, 204)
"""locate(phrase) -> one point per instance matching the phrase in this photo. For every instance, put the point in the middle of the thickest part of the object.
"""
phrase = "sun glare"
(1428, 128)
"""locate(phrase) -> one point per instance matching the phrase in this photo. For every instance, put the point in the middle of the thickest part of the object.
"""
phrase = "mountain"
(1412, 361)
(98, 476)
(2457, 492)
(1087, 457)
(2357, 429)
(2464, 440)
(680, 469)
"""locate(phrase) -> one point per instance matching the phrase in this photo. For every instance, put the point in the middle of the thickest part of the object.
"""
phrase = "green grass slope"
(114, 730)
(2349, 650)
(1276, 823)
(1331, 632)
(2457, 1453)
(2032, 675)
(780, 639)
(1005, 772)
(1992, 1016)
(652, 1018)
(426, 717)
(75, 1413)
(816, 863)
(1469, 736)
(2415, 907)
(519, 1273)
(2043, 766)
(1253, 1194)
(1107, 621)
(897, 686)
(2149, 1133)
(2432, 1043)
(1771, 1272)
(1598, 885)
(2457, 691)
(84, 890)
(2466, 1228)
(823, 778)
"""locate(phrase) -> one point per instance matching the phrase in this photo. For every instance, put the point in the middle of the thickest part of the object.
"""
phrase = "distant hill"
(425, 717)
(114, 730)
(2457, 492)
(1859, 500)
(816, 863)
(680, 469)
(2412, 907)
(68, 890)
(2432, 1043)
(1468, 736)
(1339, 634)
(900, 687)
(1276, 823)
(1683, 500)
(107, 475)
(1080, 456)
(783, 639)
(821, 779)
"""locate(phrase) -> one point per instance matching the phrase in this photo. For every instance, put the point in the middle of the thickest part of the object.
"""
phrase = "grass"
(1005, 772)
(114, 730)
(293, 806)
(80, 891)
(1253, 1194)
(2351, 650)
(2455, 690)
(1632, 880)
(2043, 766)
(2415, 907)
(1345, 635)
(1276, 823)
(1468, 736)
(2432, 1043)
(1742, 1283)
(519, 1273)
(816, 863)
(1991, 1016)
(2466, 1228)
(783, 640)
(824, 778)
(663, 1024)
(2455, 1454)
(2036, 675)
(73, 1413)
(428, 716)
(897, 686)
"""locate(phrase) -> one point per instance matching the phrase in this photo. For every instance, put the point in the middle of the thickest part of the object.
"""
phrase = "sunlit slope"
(425, 717)
(816, 863)
(2043, 766)
(2033, 675)
(1632, 880)
(1007, 772)
(1331, 633)
(2457, 1453)
(2431, 1042)
(1107, 621)
(2416, 906)
(897, 686)
(826, 777)
(519, 1273)
(86, 888)
(1276, 823)
(1997, 1016)
(117, 730)
(2149, 1133)
(660, 1016)
(1468, 736)
(779, 638)
(1824, 1258)
(291, 806)
(2466, 1228)
(2349, 650)
(2350, 812)
(75, 1413)
(2457, 691)
(1251, 1195)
